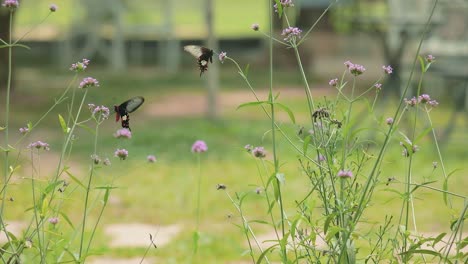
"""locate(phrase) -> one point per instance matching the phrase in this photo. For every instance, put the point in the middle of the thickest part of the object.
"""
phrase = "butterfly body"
(203, 55)
(123, 110)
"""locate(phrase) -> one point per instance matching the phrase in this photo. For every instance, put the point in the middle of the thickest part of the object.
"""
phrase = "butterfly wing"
(203, 55)
(196, 51)
(133, 104)
(122, 111)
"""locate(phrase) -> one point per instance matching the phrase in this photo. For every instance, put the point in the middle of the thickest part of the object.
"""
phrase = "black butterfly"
(202, 54)
(122, 110)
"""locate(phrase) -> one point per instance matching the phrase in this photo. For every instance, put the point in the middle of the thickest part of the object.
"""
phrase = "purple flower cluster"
(95, 158)
(88, 82)
(199, 146)
(107, 162)
(123, 133)
(99, 110)
(79, 66)
(345, 174)
(259, 152)
(151, 158)
(291, 33)
(387, 69)
(389, 121)
(333, 82)
(121, 154)
(11, 4)
(222, 56)
(355, 69)
(284, 3)
(38, 145)
(23, 130)
(430, 58)
(53, 220)
(255, 27)
(378, 86)
(53, 8)
(423, 99)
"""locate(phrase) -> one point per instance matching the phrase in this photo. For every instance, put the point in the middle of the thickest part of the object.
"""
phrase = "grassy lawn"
(188, 18)
(164, 193)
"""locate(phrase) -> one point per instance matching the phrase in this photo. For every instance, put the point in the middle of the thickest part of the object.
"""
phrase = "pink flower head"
(222, 56)
(53, 220)
(88, 82)
(345, 174)
(95, 158)
(389, 121)
(356, 69)
(199, 146)
(107, 162)
(53, 7)
(411, 102)
(23, 130)
(99, 111)
(259, 152)
(121, 154)
(151, 158)
(38, 145)
(333, 82)
(123, 133)
(348, 64)
(378, 86)
(255, 27)
(430, 58)
(248, 147)
(433, 103)
(79, 66)
(284, 3)
(11, 4)
(321, 158)
(424, 98)
(387, 69)
(291, 33)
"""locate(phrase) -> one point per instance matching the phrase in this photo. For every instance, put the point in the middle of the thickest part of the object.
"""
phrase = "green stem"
(310, 100)
(7, 128)
(273, 134)
(88, 190)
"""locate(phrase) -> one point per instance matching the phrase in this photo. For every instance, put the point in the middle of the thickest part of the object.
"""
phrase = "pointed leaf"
(252, 104)
(288, 111)
(281, 178)
(64, 216)
(246, 70)
(76, 180)
(63, 124)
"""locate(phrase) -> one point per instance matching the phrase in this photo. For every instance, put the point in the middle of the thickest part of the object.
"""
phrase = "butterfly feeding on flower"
(203, 55)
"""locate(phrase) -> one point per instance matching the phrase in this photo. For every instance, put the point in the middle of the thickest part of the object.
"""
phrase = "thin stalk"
(310, 99)
(88, 190)
(365, 191)
(273, 132)
(7, 128)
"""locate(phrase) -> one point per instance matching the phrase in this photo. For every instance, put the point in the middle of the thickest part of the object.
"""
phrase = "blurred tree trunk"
(4, 34)
(213, 73)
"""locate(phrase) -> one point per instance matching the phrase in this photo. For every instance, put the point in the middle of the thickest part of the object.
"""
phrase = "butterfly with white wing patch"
(122, 111)
(202, 54)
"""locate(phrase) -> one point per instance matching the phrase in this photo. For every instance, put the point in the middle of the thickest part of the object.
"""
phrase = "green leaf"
(279, 7)
(305, 146)
(63, 124)
(2, 128)
(287, 110)
(15, 45)
(438, 238)
(64, 216)
(332, 231)
(75, 179)
(195, 237)
(421, 62)
(246, 70)
(263, 255)
(87, 128)
(421, 251)
(252, 104)
(44, 207)
(280, 177)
